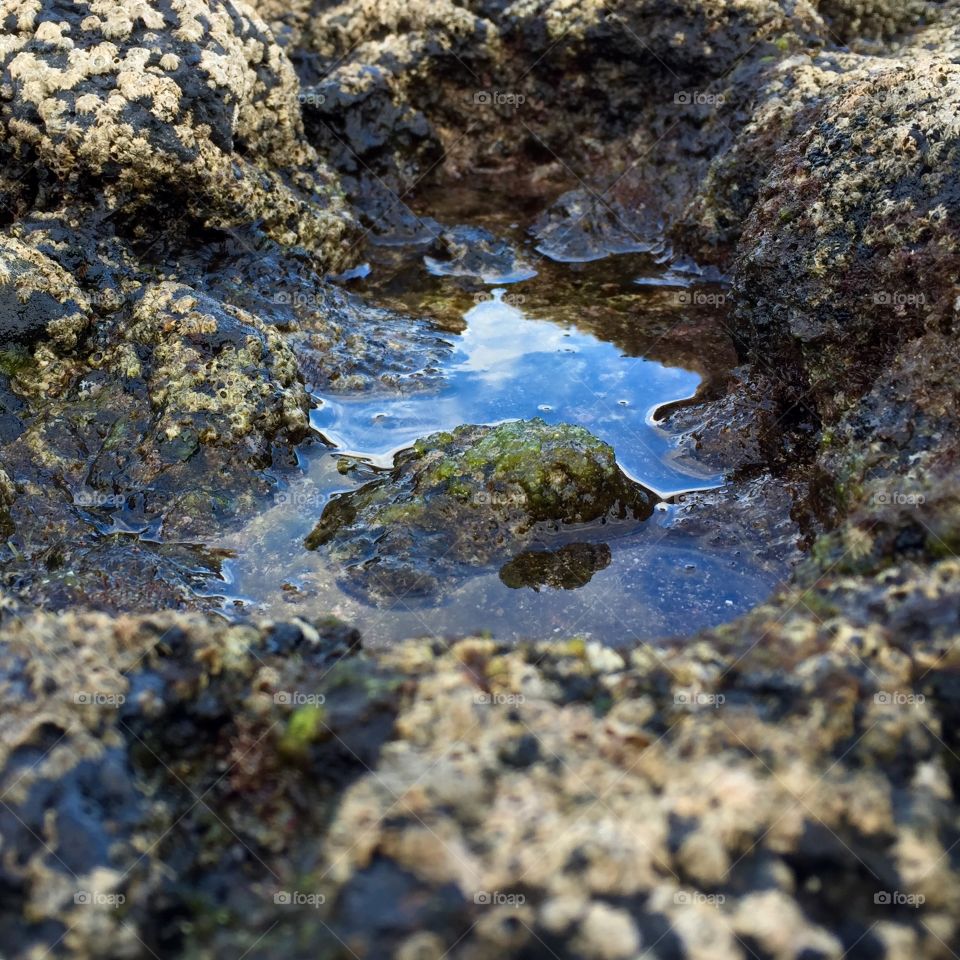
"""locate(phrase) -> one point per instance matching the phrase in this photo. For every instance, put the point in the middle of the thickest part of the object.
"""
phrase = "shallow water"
(601, 344)
(507, 366)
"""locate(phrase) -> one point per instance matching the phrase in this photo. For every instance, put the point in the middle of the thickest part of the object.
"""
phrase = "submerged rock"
(568, 568)
(476, 253)
(582, 226)
(473, 498)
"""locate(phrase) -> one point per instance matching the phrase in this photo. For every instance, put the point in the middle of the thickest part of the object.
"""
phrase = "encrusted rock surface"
(784, 785)
(183, 109)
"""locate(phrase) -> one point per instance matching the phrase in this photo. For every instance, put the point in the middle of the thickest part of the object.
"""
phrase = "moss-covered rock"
(474, 497)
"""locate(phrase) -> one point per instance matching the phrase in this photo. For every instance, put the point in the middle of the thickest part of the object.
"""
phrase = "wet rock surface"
(477, 253)
(176, 785)
(471, 498)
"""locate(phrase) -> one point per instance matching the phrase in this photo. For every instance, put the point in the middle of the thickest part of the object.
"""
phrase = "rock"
(38, 298)
(583, 226)
(568, 568)
(272, 789)
(353, 117)
(190, 110)
(850, 19)
(215, 373)
(472, 498)
(849, 250)
(6, 488)
(476, 253)
(168, 425)
(607, 933)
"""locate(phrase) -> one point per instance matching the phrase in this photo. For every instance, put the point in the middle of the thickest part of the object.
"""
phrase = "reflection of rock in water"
(568, 568)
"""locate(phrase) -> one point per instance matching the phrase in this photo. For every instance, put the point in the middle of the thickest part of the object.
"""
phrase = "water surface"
(601, 344)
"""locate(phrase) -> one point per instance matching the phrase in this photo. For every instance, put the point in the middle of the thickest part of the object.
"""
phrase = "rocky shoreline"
(177, 181)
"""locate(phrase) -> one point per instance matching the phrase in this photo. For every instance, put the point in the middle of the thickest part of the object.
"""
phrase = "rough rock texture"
(165, 222)
(37, 297)
(483, 801)
(184, 109)
(471, 498)
(852, 247)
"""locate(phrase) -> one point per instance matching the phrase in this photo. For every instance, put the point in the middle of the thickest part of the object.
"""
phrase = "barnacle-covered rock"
(184, 109)
(38, 298)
